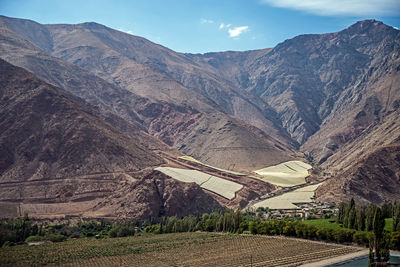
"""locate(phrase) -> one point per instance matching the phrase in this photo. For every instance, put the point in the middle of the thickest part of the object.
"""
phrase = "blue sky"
(199, 26)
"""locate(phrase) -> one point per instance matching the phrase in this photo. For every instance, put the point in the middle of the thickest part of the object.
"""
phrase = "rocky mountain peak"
(363, 26)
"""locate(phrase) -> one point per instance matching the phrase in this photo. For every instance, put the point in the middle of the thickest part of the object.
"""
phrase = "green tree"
(396, 219)
(352, 218)
(369, 218)
(380, 239)
(342, 212)
(387, 210)
(237, 220)
(360, 220)
(395, 241)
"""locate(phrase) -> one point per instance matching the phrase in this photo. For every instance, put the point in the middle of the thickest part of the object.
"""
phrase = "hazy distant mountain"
(333, 95)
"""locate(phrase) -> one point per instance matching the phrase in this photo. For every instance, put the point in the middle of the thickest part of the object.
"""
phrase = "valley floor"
(180, 249)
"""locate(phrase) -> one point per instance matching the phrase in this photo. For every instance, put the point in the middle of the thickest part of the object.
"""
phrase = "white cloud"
(235, 32)
(341, 7)
(129, 31)
(222, 25)
(206, 21)
(396, 28)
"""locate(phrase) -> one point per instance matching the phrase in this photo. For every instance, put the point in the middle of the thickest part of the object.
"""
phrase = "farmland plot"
(180, 249)
(288, 200)
(191, 159)
(286, 174)
(209, 182)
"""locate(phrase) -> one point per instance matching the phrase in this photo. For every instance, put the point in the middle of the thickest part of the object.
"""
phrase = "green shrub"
(310, 231)
(34, 238)
(361, 238)
(289, 229)
(152, 229)
(243, 227)
(7, 244)
(55, 237)
(343, 235)
(253, 227)
(322, 234)
(395, 240)
(121, 231)
(113, 232)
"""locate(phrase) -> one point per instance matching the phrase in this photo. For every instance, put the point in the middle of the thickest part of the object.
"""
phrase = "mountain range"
(86, 101)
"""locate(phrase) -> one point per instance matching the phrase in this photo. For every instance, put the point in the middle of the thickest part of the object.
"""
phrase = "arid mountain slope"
(156, 195)
(366, 111)
(150, 70)
(48, 135)
(304, 78)
(110, 99)
(212, 144)
(56, 149)
(169, 122)
(374, 178)
(336, 95)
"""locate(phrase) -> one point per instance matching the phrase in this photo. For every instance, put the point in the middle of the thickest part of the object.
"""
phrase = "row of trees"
(361, 217)
(363, 224)
(218, 221)
(372, 218)
(238, 222)
(14, 231)
(17, 230)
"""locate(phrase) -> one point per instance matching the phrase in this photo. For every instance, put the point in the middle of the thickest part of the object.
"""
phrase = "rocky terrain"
(336, 94)
(334, 97)
(55, 149)
(374, 178)
(167, 118)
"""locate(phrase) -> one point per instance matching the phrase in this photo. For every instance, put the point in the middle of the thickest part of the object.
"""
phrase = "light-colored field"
(57, 209)
(209, 182)
(191, 159)
(286, 174)
(180, 249)
(288, 200)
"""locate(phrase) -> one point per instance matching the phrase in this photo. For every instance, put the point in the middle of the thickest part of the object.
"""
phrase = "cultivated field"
(287, 200)
(327, 223)
(182, 249)
(212, 183)
(286, 174)
(191, 159)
